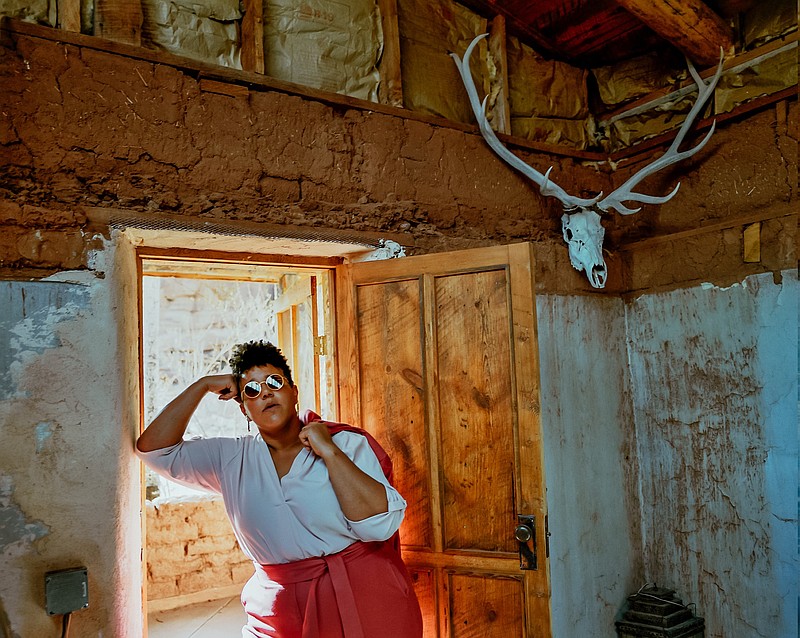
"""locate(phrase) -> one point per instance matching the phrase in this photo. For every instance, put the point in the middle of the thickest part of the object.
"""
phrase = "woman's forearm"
(360, 496)
(168, 427)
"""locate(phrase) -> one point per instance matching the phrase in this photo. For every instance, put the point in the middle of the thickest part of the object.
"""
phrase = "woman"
(309, 501)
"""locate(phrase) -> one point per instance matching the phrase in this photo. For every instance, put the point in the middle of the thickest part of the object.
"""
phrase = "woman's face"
(272, 409)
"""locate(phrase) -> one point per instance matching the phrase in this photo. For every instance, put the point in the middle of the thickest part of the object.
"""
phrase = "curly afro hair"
(245, 356)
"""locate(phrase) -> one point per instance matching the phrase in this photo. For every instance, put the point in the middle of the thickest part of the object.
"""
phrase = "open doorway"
(193, 311)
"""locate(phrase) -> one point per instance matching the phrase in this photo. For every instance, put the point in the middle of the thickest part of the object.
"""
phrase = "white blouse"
(279, 520)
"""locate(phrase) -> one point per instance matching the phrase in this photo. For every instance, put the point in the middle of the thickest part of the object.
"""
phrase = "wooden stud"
(751, 239)
(253, 36)
(69, 15)
(119, 20)
(498, 53)
(391, 77)
(689, 25)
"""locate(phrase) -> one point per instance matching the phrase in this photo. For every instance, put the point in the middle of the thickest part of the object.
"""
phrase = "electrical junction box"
(66, 590)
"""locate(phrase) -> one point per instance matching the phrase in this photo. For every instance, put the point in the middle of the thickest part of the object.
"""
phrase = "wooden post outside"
(391, 91)
(253, 36)
(498, 55)
(314, 343)
(119, 20)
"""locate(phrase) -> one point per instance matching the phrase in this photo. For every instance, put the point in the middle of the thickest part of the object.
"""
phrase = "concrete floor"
(214, 619)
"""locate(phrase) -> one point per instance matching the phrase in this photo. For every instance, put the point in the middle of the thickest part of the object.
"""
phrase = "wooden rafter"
(689, 25)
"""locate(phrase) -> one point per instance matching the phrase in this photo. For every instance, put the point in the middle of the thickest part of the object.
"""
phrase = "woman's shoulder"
(357, 442)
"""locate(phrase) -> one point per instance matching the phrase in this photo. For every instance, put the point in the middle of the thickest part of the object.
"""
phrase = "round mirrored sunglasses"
(274, 382)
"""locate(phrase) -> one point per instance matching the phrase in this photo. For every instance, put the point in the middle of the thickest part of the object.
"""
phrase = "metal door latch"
(525, 535)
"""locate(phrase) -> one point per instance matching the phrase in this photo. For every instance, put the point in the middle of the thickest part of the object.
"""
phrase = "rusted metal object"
(654, 612)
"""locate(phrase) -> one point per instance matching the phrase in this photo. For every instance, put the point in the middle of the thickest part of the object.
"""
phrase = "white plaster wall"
(69, 488)
(714, 378)
(595, 557)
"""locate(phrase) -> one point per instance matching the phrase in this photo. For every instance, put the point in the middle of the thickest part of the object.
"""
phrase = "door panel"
(426, 588)
(476, 420)
(389, 338)
(438, 360)
(485, 607)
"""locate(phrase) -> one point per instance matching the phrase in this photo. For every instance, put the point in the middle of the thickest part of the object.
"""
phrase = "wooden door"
(438, 359)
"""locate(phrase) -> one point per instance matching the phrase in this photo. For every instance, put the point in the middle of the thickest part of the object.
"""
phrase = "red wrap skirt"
(363, 591)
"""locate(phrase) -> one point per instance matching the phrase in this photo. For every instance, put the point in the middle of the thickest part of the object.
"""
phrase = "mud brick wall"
(191, 548)
(88, 129)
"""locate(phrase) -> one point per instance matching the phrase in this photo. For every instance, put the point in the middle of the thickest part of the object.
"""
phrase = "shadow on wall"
(5, 625)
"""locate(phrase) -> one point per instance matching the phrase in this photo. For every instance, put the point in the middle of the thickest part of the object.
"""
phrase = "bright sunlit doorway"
(193, 311)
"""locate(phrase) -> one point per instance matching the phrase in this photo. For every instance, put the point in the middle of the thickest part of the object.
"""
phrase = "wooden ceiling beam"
(689, 25)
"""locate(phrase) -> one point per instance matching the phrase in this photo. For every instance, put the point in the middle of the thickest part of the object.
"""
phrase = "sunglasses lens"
(274, 382)
(252, 389)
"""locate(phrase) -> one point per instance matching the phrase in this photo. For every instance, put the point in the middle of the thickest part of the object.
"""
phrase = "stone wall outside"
(191, 548)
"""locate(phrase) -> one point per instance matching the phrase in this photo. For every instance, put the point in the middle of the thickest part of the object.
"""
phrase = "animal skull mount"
(584, 234)
(580, 222)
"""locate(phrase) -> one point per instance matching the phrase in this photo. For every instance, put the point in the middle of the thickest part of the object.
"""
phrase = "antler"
(625, 193)
(546, 187)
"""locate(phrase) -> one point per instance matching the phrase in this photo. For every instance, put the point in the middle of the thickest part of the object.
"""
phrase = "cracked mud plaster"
(704, 396)
(139, 136)
(17, 531)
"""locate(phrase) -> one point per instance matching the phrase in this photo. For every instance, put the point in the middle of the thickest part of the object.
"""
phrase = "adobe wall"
(87, 130)
(191, 548)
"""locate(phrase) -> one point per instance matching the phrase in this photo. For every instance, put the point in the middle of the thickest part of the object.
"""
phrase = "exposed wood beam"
(119, 20)
(253, 36)
(69, 15)
(501, 122)
(391, 91)
(689, 25)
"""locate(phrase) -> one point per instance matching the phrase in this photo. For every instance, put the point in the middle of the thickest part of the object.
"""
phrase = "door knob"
(523, 533)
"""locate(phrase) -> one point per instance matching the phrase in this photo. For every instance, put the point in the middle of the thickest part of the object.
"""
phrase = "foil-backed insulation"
(548, 100)
(429, 31)
(208, 32)
(323, 44)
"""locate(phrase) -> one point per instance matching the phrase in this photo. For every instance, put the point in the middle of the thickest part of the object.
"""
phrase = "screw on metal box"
(66, 590)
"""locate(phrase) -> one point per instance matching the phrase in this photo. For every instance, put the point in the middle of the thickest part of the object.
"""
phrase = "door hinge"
(546, 536)
(321, 346)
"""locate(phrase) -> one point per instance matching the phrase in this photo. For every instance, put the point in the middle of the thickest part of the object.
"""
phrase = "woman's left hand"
(316, 437)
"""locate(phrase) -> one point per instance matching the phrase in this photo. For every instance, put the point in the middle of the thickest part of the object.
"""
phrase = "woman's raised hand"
(223, 385)
(316, 437)
(170, 424)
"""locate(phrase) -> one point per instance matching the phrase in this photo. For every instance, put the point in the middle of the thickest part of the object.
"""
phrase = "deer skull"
(581, 220)
(584, 236)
